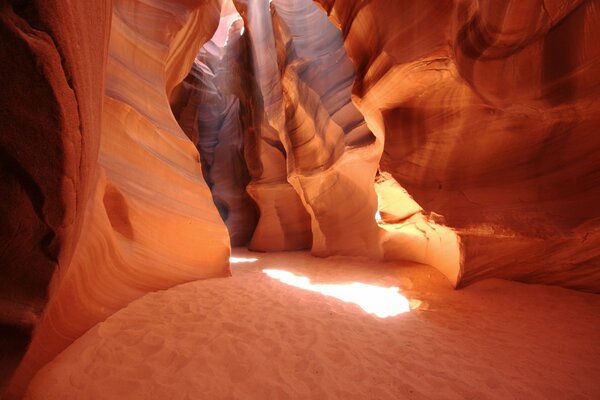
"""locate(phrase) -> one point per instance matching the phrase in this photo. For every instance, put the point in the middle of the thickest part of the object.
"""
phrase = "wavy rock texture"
(486, 112)
(150, 223)
(53, 60)
(306, 145)
(312, 138)
(489, 113)
(221, 108)
(207, 106)
(283, 223)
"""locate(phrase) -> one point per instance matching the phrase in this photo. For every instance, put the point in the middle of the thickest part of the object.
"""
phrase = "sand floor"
(295, 331)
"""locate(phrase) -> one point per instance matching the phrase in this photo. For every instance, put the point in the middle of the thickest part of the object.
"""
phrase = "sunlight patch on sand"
(380, 301)
(236, 260)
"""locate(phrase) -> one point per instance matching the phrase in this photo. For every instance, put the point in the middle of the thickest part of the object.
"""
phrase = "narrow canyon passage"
(268, 104)
(299, 199)
(403, 333)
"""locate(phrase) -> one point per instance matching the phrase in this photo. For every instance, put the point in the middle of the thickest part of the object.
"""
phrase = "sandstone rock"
(328, 152)
(148, 221)
(53, 57)
(485, 113)
(210, 116)
(394, 203)
(489, 115)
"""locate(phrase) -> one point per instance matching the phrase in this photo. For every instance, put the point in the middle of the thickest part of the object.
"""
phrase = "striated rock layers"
(279, 85)
(53, 57)
(483, 121)
(106, 191)
(479, 115)
(490, 114)
(306, 146)
(207, 106)
(331, 155)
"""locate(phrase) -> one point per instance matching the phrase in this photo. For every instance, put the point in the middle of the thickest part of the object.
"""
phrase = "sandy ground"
(275, 335)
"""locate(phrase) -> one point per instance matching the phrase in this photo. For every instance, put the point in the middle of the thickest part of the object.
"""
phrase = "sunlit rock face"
(309, 152)
(147, 218)
(489, 115)
(481, 117)
(285, 81)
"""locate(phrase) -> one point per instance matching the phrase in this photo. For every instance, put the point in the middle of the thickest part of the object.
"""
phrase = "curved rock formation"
(208, 106)
(149, 222)
(306, 145)
(479, 118)
(489, 115)
(283, 223)
(53, 59)
(324, 149)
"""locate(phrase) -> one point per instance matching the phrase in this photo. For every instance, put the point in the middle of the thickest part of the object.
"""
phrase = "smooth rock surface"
(52, 78)
(304, 81)
(150, 222)
(485, 113)
(208, 107)
(489, 112)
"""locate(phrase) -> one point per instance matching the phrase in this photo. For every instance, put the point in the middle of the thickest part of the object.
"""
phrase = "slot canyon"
(299, 199)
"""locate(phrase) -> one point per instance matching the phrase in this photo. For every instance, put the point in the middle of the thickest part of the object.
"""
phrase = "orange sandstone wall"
(487, 112)
(52, 78)
(309, 152)
(490, 115)
(314, 160)
(146, 215)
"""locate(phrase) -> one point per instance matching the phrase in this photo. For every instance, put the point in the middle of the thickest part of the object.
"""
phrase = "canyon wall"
(207, 105)
(305, 144)
(486, 121)
(126, 210)
(52, 74)
(490, 115)
(481, 117)
(275, 84)
(331, 154)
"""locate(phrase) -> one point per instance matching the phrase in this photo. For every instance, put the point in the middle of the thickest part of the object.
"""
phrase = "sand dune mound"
(284, 328)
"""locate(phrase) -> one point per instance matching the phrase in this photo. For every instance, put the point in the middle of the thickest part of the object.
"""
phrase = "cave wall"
(313, 147)
(487, 118)
(207, 105)
(310, 154)
(287, 80)
(490, 119)
(486, 112)
(130, 180)
(52, 76)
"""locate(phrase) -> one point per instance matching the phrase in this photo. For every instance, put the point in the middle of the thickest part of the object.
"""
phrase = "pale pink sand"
(254, 337)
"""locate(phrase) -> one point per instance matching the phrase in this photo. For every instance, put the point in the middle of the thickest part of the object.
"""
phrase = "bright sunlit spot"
(236, 260)
(377, 300)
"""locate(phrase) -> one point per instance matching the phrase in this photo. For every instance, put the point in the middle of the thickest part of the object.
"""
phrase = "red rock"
(145, 215)
(481, 118)
(489, 120)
